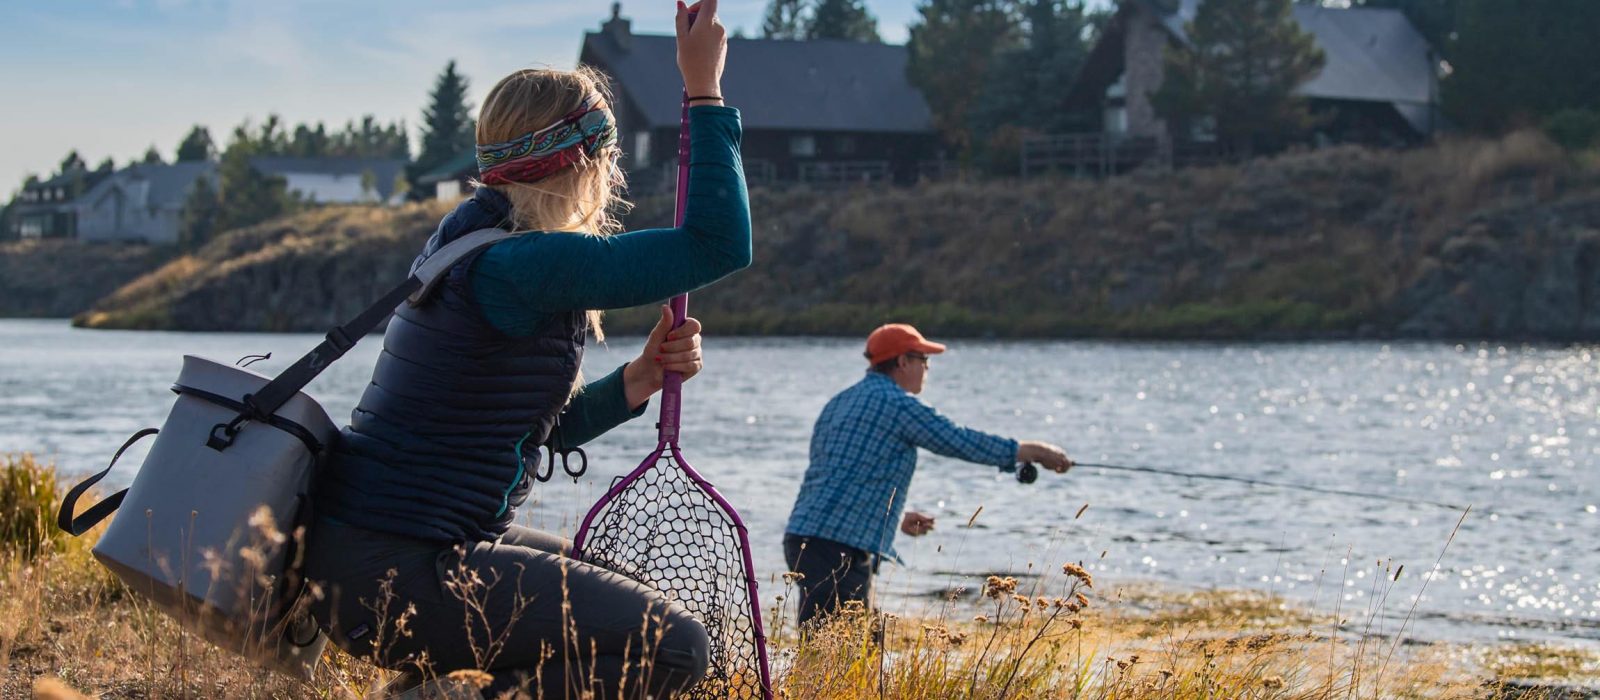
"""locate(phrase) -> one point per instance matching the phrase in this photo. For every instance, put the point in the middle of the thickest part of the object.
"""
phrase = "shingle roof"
(819, 85)
(169, 184)
(1373, 54)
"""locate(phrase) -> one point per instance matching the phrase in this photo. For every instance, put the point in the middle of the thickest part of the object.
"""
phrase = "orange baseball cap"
(895, 339)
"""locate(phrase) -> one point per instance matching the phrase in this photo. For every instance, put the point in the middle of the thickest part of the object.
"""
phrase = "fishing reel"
(1027, 472)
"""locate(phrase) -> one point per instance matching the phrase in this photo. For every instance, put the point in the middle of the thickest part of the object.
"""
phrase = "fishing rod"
(1027, 473)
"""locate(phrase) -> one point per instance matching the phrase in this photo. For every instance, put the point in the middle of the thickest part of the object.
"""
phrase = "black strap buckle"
(340, 340)
(222, 434)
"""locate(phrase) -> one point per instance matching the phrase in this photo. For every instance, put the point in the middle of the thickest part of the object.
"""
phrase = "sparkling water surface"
(1510, 429)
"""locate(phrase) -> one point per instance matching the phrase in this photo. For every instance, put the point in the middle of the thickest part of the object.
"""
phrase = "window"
(31, 227)
(641, 149)
(844, 144)
(1116, 120)
(803, 146)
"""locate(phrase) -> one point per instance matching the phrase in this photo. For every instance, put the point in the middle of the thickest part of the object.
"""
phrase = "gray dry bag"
(212, 528)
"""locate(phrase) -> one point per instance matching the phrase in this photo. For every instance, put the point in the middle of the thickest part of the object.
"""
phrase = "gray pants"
(501, 606)
(831, 574)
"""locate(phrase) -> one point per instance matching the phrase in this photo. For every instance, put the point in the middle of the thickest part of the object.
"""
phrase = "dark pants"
(831, 574)
(499, 606)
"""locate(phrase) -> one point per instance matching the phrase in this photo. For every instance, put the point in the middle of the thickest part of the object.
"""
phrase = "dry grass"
(67, 626)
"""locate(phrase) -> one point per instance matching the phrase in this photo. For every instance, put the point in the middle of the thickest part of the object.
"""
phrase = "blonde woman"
(414, 550)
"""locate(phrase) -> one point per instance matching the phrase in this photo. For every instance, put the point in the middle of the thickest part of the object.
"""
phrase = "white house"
(337, 180)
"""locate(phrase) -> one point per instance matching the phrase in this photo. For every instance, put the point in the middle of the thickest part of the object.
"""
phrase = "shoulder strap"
(435, 267)
(339, 340)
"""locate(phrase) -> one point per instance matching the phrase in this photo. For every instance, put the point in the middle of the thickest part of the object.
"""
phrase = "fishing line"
(1027, 473)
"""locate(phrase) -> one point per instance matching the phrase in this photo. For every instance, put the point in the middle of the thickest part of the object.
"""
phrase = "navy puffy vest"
(445, 439)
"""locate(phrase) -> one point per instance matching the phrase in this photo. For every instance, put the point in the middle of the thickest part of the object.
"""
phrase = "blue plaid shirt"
(863, 453)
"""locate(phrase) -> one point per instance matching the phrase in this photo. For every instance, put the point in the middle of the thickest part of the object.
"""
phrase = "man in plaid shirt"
(863, 453)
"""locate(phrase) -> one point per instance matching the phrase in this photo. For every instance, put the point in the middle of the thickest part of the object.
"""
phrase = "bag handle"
(97, 512)
(422, 281)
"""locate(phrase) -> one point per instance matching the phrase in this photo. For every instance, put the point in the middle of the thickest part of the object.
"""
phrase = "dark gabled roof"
(167, 185)
(1373, 54)
(87, 178)
(170, 184)
(819, 85)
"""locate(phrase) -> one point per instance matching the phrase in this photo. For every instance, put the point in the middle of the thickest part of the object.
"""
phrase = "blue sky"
(112, 77)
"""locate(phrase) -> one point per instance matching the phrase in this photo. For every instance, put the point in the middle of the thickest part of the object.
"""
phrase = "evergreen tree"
(308, 142)
(247, 196)
(201, 210)
(152, 156)
(954, 49)
(106, 166)
(73, 169)
(1245, 60)
(842, 19)
(271, 139)
(786, 19)
(447, 126)
(73, 163)
(197, 145)
(1027, 84)
(1520, 63)
(369, 185)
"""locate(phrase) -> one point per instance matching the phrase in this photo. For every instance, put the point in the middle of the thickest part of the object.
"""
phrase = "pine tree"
(246, 195)
(1518, 63)
(197, 145)
(954, 49)
(152, 156)
(447, 126)
(201, 210)
(842, 19)
(1245, 60)
(786, 19)
(72, 163)
(1027, 84)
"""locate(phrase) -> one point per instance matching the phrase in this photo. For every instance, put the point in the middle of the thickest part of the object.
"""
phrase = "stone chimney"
(619, 29)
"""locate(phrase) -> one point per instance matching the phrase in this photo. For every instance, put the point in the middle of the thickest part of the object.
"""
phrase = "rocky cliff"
(56, 278)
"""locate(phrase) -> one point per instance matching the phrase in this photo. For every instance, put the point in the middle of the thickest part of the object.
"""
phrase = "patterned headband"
(537, 155)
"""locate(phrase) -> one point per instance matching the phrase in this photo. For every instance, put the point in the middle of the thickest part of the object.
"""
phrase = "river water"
(1512, 430)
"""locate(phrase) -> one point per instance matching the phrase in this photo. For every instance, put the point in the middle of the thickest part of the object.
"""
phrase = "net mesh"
(666, 531)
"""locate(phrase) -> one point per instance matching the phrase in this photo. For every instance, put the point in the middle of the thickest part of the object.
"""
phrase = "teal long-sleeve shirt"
(521, 283)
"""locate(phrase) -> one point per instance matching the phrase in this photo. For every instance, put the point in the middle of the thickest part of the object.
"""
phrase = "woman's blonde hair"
(584, 198)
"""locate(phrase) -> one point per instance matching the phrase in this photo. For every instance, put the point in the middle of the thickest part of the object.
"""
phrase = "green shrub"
(28, 503)
(1574, 129)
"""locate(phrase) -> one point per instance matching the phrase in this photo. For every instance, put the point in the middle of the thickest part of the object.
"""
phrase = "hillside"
(1469, 239)
(56, 279)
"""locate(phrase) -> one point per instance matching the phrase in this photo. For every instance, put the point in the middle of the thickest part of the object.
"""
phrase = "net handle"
(672, 382)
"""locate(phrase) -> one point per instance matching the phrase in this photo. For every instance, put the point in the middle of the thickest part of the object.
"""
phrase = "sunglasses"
(919, 357)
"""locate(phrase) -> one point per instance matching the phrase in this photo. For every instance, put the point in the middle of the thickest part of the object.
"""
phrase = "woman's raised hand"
(665, 350)
(702, 49)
